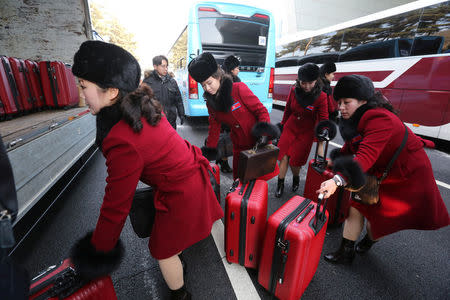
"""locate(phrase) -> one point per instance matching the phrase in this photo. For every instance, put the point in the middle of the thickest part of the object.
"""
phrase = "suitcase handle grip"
(320, 214)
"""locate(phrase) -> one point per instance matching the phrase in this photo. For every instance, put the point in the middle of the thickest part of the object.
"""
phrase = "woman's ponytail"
(141, 103)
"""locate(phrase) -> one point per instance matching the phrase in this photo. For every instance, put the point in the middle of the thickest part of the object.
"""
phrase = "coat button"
(298, 118)
(237, 126)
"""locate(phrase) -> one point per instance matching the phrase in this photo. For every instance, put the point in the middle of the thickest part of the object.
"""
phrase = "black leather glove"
(263, 140)
(210, 153)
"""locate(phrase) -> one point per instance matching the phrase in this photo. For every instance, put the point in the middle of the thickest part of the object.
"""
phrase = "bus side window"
(286, 62)
(425, 45)
(432, 31)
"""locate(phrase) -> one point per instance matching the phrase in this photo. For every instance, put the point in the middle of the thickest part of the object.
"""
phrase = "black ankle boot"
(225, 167)
(364, 245)
(280, 188)
(295, 183)
(180, 294)
(344, 255)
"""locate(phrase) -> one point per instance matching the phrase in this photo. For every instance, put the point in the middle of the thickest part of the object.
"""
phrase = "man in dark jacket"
(166, 90)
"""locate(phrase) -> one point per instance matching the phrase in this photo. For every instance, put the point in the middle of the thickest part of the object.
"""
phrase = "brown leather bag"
(257, 162)
(368, 194)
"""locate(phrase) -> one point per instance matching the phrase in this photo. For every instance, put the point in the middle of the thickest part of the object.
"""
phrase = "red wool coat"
(246, 111)
(332, 105)
(409, 196)
(186, 206)
(298, 130)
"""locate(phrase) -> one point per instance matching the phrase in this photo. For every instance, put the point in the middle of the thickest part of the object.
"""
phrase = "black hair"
(140, 103)
(379, 100)
(157, 60)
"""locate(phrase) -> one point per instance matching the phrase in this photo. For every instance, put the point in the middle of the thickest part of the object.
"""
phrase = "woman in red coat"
(233, 104)
(139, 144)
(327, 71)
(305, 107)
(408, 197)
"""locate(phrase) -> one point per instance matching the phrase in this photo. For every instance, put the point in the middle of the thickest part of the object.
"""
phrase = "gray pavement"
(406, 265)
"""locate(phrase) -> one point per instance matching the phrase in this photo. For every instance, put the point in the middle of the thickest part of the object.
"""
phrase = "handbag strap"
(394, 157)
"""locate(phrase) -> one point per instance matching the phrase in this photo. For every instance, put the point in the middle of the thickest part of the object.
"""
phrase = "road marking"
(239, 278)
(336, 145)
(443, 184)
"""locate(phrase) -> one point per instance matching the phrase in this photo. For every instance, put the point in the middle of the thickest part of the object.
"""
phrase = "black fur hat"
(354, 86)
(327, 68)
(308, 72)
(230, 63)
(107, 65)
(202, 67)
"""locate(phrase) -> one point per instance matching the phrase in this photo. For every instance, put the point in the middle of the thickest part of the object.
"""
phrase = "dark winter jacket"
(167, 92)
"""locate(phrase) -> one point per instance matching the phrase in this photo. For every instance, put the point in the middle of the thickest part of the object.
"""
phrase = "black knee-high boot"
(280, 188)
(180, 294)
(364, 245)
(183, 264)
(344, 255)
(295, 183)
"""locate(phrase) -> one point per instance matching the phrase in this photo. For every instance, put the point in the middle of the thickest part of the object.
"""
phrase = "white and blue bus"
(225, 29)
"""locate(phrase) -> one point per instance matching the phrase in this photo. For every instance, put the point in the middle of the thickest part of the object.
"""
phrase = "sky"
(157, 24)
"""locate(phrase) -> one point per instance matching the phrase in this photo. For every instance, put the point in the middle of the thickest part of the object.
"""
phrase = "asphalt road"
(406, 265)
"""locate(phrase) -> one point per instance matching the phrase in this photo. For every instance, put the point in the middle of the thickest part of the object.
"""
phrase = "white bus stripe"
(445, 185)
(239, 278)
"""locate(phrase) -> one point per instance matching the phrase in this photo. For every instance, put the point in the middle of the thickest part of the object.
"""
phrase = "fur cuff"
(267, 129)
(209, 153)
(90, 263)
(335, 153)
(325, 128)
(351, 170)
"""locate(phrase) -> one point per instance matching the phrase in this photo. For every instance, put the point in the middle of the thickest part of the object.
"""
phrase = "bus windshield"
(242, 37)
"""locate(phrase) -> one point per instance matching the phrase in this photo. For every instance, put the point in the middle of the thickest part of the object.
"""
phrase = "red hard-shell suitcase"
(245, 222)
(9, 95)
(53, 83)
(35, 80)
(216, 174)
(61, 282)
(72, 89)
(292, 247)
(338, 204)
(318, 171)
(23, 85)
